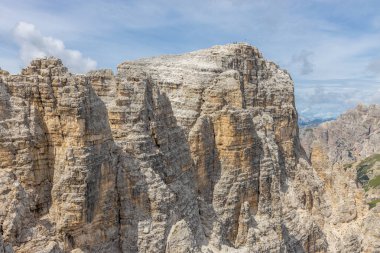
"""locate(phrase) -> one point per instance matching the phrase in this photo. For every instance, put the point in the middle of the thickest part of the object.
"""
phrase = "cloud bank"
(33, 44)
(329, 98)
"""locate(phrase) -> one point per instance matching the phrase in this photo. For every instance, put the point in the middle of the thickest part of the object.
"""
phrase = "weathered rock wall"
(188, 153)
(351, 137)
(335, 148)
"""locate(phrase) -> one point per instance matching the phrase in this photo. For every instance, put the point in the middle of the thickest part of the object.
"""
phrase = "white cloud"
(329, 98)
(302, 59)
(35, 45)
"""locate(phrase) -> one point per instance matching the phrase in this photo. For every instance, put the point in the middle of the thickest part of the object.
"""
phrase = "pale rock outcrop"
(185, 153)
(337, 149)
(353, 136)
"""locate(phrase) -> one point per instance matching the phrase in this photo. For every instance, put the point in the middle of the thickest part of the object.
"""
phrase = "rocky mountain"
(351, 137)
(346, 153)
(197, 152)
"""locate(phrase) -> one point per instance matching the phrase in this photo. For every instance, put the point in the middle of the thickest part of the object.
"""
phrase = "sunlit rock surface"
(184, 153)
(345, 153)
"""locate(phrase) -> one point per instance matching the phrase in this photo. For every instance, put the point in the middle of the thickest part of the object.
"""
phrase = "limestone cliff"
(345, 154)
(185, 153)
(352, 137)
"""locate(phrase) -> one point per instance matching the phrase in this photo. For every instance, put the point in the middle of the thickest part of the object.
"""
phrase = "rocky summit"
(197, 152)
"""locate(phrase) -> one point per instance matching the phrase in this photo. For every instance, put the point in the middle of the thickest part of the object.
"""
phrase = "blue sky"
(330, 47)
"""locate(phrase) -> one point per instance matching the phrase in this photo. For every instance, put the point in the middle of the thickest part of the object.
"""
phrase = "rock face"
(351, 137)
(187, 153)
(345, 154)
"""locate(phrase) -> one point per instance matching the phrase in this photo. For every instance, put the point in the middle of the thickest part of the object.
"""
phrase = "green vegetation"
(363, 168)
(373, 203)
(347, 166)
(374, 182)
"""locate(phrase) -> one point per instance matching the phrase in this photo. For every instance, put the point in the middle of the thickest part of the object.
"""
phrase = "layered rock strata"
(186, 153)
(344, 153)
(353, 136)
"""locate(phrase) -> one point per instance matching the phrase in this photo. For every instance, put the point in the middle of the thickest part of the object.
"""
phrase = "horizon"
(330, 48)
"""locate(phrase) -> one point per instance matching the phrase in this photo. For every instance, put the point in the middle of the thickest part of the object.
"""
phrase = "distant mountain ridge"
(310, 122)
